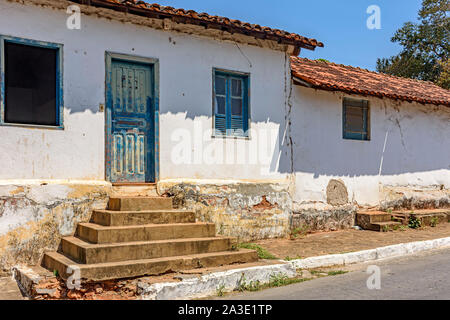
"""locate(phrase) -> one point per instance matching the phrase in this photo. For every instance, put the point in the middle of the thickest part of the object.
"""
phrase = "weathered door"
(132, 123)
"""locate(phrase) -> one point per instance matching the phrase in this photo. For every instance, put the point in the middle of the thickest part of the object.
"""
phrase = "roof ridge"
(192, 16)
(338, 77)
(366, 70)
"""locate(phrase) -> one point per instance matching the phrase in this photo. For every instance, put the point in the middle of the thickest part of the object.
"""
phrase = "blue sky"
(340, 25)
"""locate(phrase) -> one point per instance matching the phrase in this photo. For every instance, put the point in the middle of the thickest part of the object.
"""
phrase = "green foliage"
(414, 223)
(276, 280)
(220, 290)
(292, 258)
(425, 46)
(56, 273)
(322, 60)
(262, 253)
(301, 231)
(320, 273)
(434, 222)
(337, 272)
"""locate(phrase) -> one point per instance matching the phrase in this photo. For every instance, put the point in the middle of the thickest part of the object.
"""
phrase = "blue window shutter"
(229, 124)
(220, 124)
(355, 120)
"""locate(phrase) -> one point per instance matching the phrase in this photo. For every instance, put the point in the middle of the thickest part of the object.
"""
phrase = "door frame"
(154, 62)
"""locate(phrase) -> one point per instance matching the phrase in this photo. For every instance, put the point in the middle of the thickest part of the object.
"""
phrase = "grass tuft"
(262, 253)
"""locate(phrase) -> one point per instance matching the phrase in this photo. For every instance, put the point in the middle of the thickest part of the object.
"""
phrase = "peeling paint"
(248, 211)
(33, 218)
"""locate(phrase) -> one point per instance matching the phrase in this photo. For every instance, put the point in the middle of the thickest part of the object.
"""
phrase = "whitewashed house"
(206, 110)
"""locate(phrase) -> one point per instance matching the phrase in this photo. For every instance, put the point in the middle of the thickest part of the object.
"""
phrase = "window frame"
(366, 120)
(59, 81)
(246, 111)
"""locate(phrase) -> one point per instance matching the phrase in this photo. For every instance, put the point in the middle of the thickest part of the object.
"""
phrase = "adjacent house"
(365, 139)
(217, 113)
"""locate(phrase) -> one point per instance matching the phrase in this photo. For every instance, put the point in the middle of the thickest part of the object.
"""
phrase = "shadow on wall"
(405, 138)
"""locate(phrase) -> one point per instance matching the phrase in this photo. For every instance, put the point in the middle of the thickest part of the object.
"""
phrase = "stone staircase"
(384, 221)
(138, 236)
(426, 217)
(376, 221)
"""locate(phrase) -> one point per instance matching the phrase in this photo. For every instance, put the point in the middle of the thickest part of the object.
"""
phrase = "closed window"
(231, 98)
(31, 83)
(356, 119)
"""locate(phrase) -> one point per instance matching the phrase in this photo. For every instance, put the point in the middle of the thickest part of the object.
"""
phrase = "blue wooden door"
(132, 123)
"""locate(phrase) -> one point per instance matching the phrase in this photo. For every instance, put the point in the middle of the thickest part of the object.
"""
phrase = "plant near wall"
(414, 223)
(299, 232)
(262, 252)
(434, 222)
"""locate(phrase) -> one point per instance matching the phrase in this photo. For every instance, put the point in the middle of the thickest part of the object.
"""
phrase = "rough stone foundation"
(248, 211)
(34, 217)
(410, 198)
(328, 218)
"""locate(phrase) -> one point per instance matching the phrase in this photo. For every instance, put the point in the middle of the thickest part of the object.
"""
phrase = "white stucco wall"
(417, 153)
(185, 84)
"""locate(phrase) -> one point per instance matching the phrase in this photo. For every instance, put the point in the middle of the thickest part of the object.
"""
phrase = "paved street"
(424, 276)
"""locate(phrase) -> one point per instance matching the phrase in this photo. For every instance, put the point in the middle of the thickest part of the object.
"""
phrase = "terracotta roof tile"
(193, 17)
(336, 77)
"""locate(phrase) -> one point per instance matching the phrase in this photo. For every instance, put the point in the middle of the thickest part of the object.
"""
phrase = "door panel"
(132, 124)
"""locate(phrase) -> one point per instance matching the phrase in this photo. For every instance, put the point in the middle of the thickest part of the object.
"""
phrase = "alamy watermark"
(374, 20)
(206, 146)
(73, 22)
(74, 281)
(374, 280)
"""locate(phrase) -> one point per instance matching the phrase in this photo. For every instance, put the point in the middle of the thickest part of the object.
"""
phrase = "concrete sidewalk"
(9, 289)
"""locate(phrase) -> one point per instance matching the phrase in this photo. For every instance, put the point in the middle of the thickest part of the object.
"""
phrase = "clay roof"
(337, 77)
(191, 17)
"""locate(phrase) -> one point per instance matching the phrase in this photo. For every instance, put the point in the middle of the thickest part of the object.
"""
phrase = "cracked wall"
(248, 211)
(406, 163)
(34, 217)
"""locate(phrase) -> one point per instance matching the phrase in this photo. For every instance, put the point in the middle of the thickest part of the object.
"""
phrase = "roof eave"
(122, 7)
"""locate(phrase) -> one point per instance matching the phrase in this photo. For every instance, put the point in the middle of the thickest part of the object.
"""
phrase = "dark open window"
(356, 119)
(31, 84)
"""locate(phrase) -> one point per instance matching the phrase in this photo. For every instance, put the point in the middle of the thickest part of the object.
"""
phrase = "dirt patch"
(324, 243)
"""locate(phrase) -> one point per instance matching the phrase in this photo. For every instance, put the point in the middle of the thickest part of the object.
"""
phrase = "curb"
(396, 250)
(227, 281)
(208, 285)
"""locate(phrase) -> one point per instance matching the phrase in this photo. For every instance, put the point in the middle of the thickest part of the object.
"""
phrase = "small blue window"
(31, 83)
(231, 99)
(356, 116)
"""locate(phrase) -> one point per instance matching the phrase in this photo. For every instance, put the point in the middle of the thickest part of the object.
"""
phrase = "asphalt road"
(422, 277)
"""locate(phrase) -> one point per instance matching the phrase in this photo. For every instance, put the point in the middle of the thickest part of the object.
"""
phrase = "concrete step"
(383, 226)
(427, 217)
(134, 190)
(89, 253)
(128, 269)
(128, 218)
(96, 233)
(139, 203)
(373, 216)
